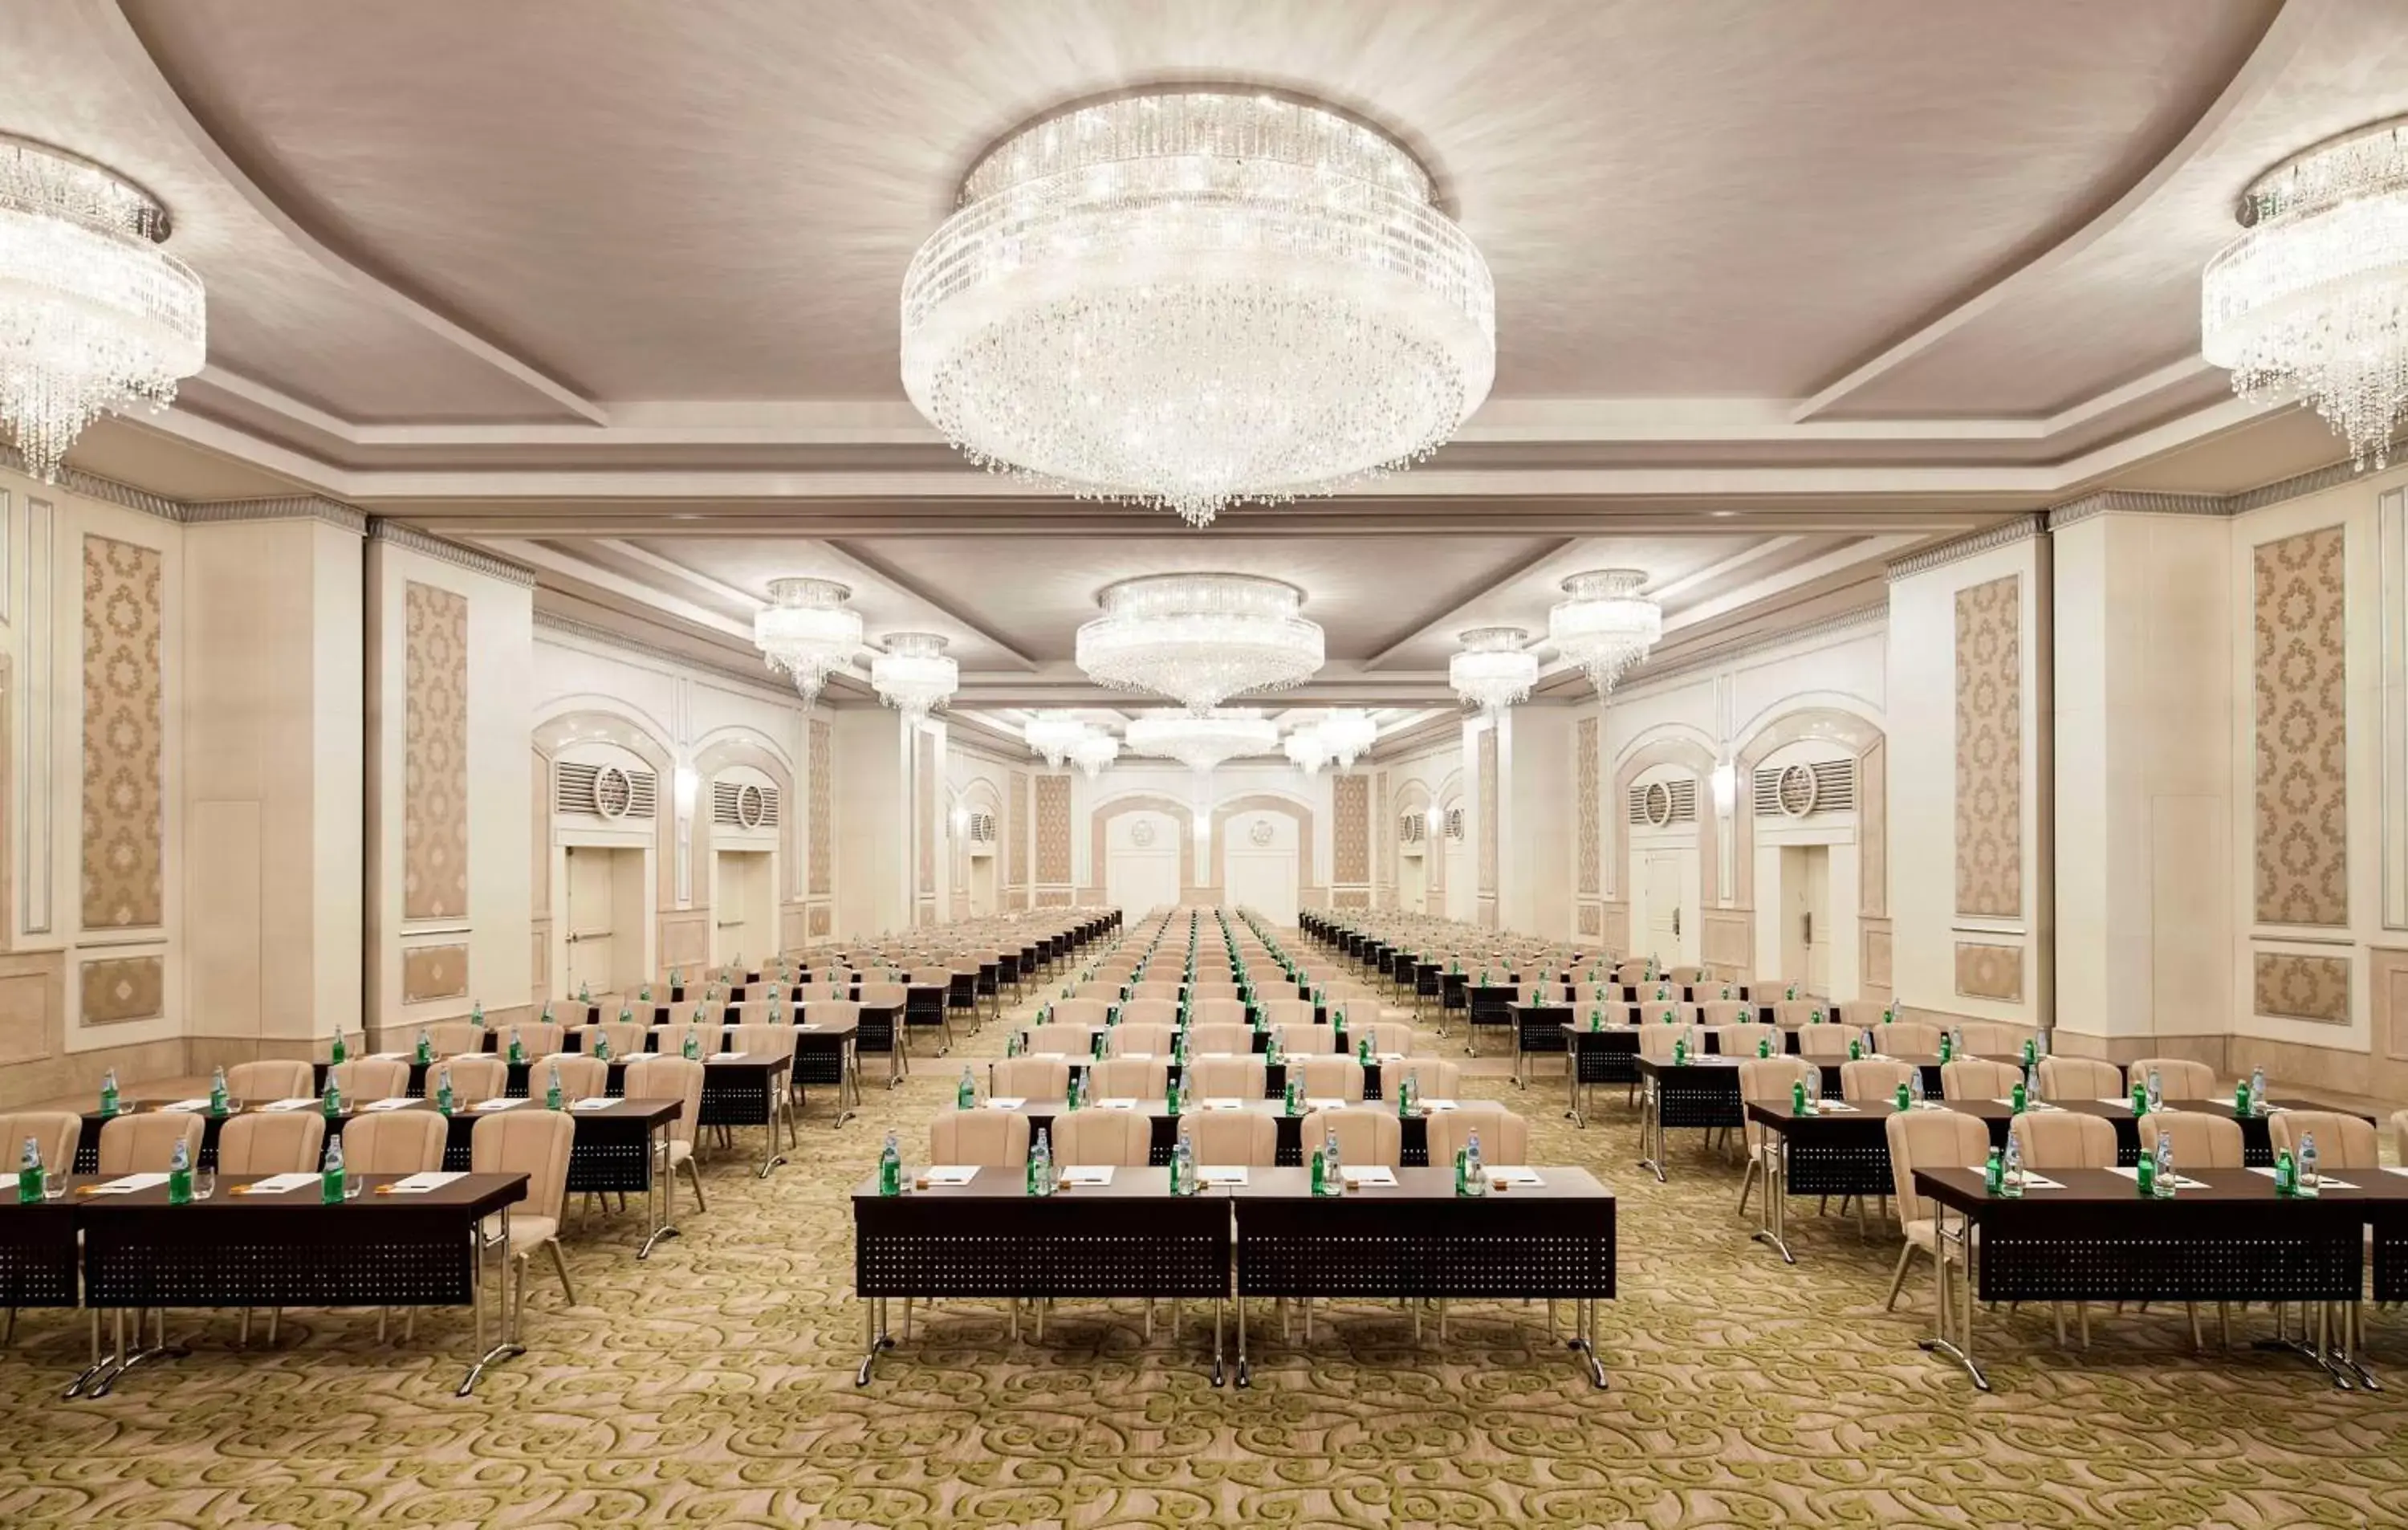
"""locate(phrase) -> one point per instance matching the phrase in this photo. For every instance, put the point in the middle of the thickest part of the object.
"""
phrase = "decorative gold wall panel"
(434, 972)
(125, 988)
(1384, 831)
(1015, 832)
(1351, 821)
(923, 773)
(434, 753)
(2302, 735)
(1592, 919)
(822, 850)
(1989, 749)
(123, 735)
(1053, 832)
(1589, 860)
(2303, 987)
(821, 921)
(1986, 971)
(1488, 811)
(1350, 900)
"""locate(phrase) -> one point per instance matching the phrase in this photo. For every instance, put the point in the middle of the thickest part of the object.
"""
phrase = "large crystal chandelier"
(2312, 300)
(1494, 671)
(1194, 297)
(1305, 748)
(1346, 733)
(1200, 639)
(806, 630)
(913, 676)
(1050, 734)
(1604, 624)
(1202, 742)
(1092, 750)
(94, 317)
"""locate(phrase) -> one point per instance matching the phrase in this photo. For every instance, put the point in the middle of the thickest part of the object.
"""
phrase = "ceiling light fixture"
(1092, 750)
(1190, 299)
(1200, 639)
(913, 676)
(2312, 300)
(1494, 670)
(1202, 742)
(1049, 735)
(806, 630)
(1306, 748)
(95, 318)
(1347, 731)
(1605, 625)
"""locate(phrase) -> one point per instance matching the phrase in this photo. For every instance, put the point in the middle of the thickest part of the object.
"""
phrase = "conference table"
(1413, 1131)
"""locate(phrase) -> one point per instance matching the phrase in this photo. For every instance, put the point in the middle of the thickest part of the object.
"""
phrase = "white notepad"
(1436, 1105)
(1005, 1102)
(952, 1174)
(126, 1185)
(725, 1057)
(1092, 1174)
(499, 1105)
(1115, 1104)
(1224, 1105)
(419, 1184)
(1379, 1174)
(1325, 1105)
(2028, 1104)
(593, 1102)
(1499, 1173)
(1221, 1175)
(186, 1105)
(302, 1104)
(280, 1184)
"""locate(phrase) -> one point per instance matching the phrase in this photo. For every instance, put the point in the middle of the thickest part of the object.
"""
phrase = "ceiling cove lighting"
(1494, 670)
(913, 676)
(1203, 742)
(2312, 300)
(1194, 297)
(95, 318)
(807, 632)
(1200, 639)
(1604, 624)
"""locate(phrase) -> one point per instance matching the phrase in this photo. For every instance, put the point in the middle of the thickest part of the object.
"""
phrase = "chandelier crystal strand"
(807, 632)
(1346, 733)
(1092, 750)
(1202, 742)
(1494, 670)
(94, 317)
(1200, 638)
(1190, 299)
(2312, 300)
(1605, 625)
(913, 676)
(1050, 734)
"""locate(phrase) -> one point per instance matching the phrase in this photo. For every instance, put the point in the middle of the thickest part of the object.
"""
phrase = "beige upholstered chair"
(270, 1078)
(1933, 1139)
(145, 1144)
(1655, 1040)
(1029, 1077)
(1158, 988)
(1366, 1135)
(1504, 1136)
(1061, 1040)
(1105, 989)
(2178, 1079)
(1974, 1078)
(1722, 1012)
(1989, 1039)
(395, 1142)
(2342, 1142)
(2201, 1142)
(1739, 1040)
(1686, 975)
(769, 1040)
(1770, 1080)
(827, 1012)
(1793, 1013)
(1287, 1011)
(1872, 1079)
(1237, 1138)
(534, 1143)
(1124, 1138)
(2079, 1078)
(1308, 1038)
(1826, 1042)
(1080, 1011)
(537, 1038)
(1230, 1011)
(670, 1040)
(1207, 1040)
(1227, 1078)
(54, 1133)
(2048, 1139)
(987, 1138)
(1129, 1079)
(1390, 1037)
(672, 1078)
(581, 1078)
(1434, 1077)
(1133, 1039)
(272, 1142)
(474, 1075)
(449, 1036)
(1205, 989)
(626, 1037)
(1908, 1039)
(371, 1079)
(1330, 1077)
(1150, 1013)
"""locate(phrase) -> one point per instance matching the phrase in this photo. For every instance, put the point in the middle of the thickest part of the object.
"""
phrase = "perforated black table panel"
(1076, 1243)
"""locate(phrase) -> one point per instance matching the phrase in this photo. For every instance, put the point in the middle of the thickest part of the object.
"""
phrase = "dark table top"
(472, 1194)
(1412, 1184)
(1963, 1188)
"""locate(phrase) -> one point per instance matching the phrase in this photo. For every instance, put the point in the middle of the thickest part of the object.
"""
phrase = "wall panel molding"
(2289, 986)
(434, 753)
(124, 735)
(2299, 729)
(1989, 749)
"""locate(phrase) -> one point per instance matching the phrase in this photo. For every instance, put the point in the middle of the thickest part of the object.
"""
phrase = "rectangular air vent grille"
(742, 805)
(1658, 804)
(604, 791)
(1827, 786)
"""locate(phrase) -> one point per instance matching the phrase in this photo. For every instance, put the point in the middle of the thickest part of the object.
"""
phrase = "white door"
(740, 906)
(1138, 881)
(1264, 881)
(1813, 910)
(1412, 883)
(1660, 887)
(982, 886)
(591, 903)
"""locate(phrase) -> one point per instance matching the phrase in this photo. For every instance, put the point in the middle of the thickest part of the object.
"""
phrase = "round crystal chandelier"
(1494, 670)
(806, 630)
(1092, 750)
(1194, 297)
(913, 676)
(1200, 742)
(1346, 733)
(1604, 624)
(1050, 734)
(1200, 639)
(1306, 748)
(2312, 300)
(94, 317)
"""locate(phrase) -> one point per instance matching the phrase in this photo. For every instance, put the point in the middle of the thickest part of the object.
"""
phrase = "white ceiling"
(1783, 288)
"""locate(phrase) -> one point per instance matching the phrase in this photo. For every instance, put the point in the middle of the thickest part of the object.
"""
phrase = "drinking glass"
(204, 1183)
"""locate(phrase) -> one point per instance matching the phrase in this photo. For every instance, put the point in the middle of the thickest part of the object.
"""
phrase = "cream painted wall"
(1537, 832)
(1227, 785)
(873, 828)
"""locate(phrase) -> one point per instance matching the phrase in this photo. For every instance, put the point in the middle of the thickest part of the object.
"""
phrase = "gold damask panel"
(924, 759)
(1592, 919)
(1053, 832)
(2301, 682)
(1986, 971)
(1989, 749)
(1383, 826)
(1351, 809)
(820, 919)
(1489, 810)
(1350, 900)
(434, 753)
(1585, 768)
(1052, 900)
(1015, 832)
(125, 988)
(2303, 987)
(434, 972)
(123, 735)
(823, 753)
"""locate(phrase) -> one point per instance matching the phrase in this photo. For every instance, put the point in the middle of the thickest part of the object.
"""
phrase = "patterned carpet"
(713, 1385)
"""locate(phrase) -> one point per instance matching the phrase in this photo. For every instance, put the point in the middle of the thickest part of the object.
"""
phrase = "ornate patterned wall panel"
(1053, 832)
(125, 988)
(924, 773)
(1383, 838)
(1990, 972)
(123, 735)
(1351, 806)
(820, 919)
(434, 753)
(1015, 832)
(2303, 987)
(1592, 919)
(1350, 900)
(1989, 749)
(434, 972)
(2302, 806)
(1589, 861)
(822, 788)
(1489, 810)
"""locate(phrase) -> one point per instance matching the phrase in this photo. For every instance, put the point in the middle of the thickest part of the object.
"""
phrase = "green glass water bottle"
(108, 1092)
(2145, 1177)
(180, 1174)
(1904, 1101)
(443, 1096)
(1764, 1046)
(551, 1089)
(1994, 1173)
(332, 1103)
(425, 1050)
(337, 1055)
(692, 1049)
(330, 1173)
(218, 1092)
(30, 1176)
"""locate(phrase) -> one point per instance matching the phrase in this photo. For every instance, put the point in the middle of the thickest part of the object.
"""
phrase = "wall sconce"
(685, 783)
(1725, 781)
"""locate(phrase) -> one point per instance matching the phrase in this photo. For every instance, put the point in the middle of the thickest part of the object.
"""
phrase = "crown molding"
(1644, 673)
(75, 481)
(414, 540)
(2023, 528)
(295, 507)
(2126, 502)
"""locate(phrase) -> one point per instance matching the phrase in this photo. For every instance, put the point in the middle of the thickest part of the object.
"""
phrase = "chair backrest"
(1976, 1078)
(1287, 1011)
(534, 1143)
(1656, 1040)
(2398, 1135)
(883, 996)
(1124, 1138)
(1740, 1040)
(626, 1037)
(1156, 988)
(2201, 1141)
(474, 1075)
(2079, 1078)
(1726, 1012)
(1800, 1011)
(1080, 1011)
(145, 1144)
(828, 1012)
(1227, 1078)
(1872, 1079)
(1150, 1011)
(55, 1134)
(2048, 1139)
(2343, 1141)
(1991, 1038)
(1142, 1041)
(272, 1142)
(772, 1040)
(1029, 1077)
(1366, 1135)
(670, 1078)
(1203, 1039)
(449, 1036)
(397, 1142)
(1329, 1078)
(1064, 1039)
(1771, 1079)
(1931, 1139)
(1686, 975)
(1433, 1078)
(1504, 1136)
(1908, 1037)
(581, 1078)
(1247, 1137)
(372, 1078)
(1129, 1079)
(1826, 1041)
(2180, 1078)
(1390, 1037)
(536, 1037)
(269, 1079)
(1307, 1039)
(1217, 1011)
(987, 1138)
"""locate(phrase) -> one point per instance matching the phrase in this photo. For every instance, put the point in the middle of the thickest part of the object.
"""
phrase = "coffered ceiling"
(1784, 289)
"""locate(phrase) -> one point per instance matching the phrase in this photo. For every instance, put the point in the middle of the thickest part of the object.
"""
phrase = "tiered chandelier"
(1305, 749)
(94, 317)
(1190, 299)
(1200, 639)
(2312, 300)
(1092, 750)
(807, 632)
(914, 676)
(1049, 735)
(1494, 671)
(1604, 624)
(1203, 741)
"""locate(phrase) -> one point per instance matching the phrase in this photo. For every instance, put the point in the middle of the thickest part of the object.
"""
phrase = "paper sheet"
(419, 1184)
(952, 1174)
(280, 1184)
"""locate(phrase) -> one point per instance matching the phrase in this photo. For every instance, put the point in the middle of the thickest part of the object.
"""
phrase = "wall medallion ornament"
(613, 793)
(751, 807)
(1657, 804)
(1261, 834)
(1796, 791)
(1141, 833)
